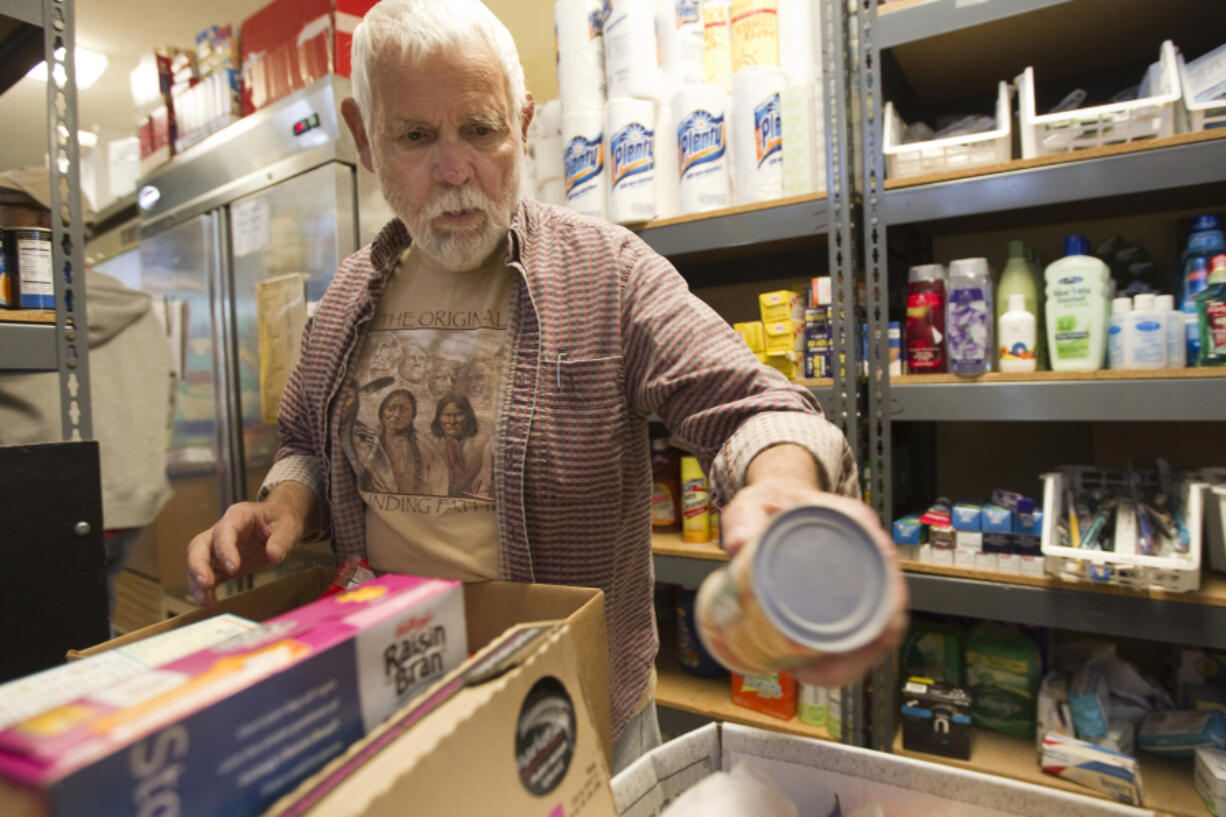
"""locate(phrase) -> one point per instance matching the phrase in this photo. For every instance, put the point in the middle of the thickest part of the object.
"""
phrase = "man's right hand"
(250, 535)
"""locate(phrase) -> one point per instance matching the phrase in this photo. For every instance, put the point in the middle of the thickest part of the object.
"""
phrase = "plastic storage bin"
(1176, 572)
(1200, 115)
(1111, 124)
(952, 153)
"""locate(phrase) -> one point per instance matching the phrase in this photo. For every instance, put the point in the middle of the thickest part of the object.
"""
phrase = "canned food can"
(814, 584)
(29, 267)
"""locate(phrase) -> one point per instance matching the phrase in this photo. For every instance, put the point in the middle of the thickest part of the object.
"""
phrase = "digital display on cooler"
(304, 125)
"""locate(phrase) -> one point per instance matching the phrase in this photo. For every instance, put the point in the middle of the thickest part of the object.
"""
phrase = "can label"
(35, 283)
(700, 141)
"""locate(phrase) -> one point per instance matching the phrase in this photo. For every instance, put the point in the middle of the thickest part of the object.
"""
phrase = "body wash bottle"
(1077, 287)
(1018, 334)
(968, 317)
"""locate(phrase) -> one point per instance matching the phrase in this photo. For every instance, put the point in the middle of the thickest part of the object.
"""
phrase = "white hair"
(421, 28)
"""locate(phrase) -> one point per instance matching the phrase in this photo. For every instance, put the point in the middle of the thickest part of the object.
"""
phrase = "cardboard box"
(936, 718)
(784, 336)
(813, 773)
(968, 540)
(781, 305)
(1211, 779)
(909, 530)
(775, 694)
(996, 519)
(967, 516)
(751, 333)
(231, 727)
(508, 734)
(1116, 775)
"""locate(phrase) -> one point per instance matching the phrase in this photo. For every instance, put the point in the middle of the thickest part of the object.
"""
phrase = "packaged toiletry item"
(969, 540)
(941, 537)
(1117, 333)
(1028, 522)
(967, 516)
(933, 649)
(895, 339)
(1121, 737)
(695, 523)
(1181, 733)
(1052, 713)
(996, 519)
(1010, 499)
(1205, 242)
(1027, 546)
(812, 704)
(1077, 288)
(936, 718)
(1116, 775)
(1018, 278)
(968, 321)
(1017, 330)
(1002, 667)
(986, 561)
(1000, 543)
(909, 531)
(1089, 700)
(938, 513)
(1211, 314)
(1145, 335)
(772, 694)
(1173, 322)
(926, 319)
(1210, 773)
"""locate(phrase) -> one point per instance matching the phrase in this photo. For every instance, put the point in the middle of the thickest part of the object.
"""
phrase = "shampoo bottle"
(968, 317)
(1211, 309)
(926, 319)
(1117, 332)
(1176, 337)
(1018, 333)
(1076, 308)
(1018, 276)
(1204, 243)
(1145, 335)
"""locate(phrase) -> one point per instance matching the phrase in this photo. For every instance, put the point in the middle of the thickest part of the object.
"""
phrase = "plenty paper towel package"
(584, 162)
(680, 37)
(631, 124)
(579, 27)
(548, 158)
(229, 729)
(757, 133)
(755, 33)
(799, 41)
(631, 58)
(667, 183)
(804, 144)
(716, 42)
(699, 116)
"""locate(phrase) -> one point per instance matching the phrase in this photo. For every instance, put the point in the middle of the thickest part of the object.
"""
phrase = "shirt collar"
(394, 239)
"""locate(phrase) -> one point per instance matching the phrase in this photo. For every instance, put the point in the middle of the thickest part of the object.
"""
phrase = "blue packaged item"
(1089, 700)
(691, 654)
(1029, 524)
(1181, 733)
(908, 530)
(996, 519)
(967, 516)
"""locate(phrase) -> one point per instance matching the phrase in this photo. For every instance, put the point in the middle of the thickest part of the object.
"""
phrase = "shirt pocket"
(580, 427)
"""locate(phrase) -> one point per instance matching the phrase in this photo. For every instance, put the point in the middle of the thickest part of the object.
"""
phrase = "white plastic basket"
(1200, 115)
(1111, 124)
(1171, 571)
(952, 153)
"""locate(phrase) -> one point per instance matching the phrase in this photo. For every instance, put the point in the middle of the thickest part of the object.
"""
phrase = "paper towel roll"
(757, 133)
(552, 191)
(799, 40)
(548, 155)
(631, 124)
(716, 42)
(680, 38)
(755, 33)
(800, 170)
(699, 116)
(578, 29)
(632, 65)
(550, 115)
(583, 159)
(667, 191)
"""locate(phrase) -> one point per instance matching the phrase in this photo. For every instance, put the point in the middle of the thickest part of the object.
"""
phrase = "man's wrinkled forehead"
(396, 74)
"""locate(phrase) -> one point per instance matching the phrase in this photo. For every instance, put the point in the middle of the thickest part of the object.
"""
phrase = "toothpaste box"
(996, 519)
(1115, 775)
(968, 540)
(230, 728)
(909, 531)
(782, 305)
(1029, 524)
(967, 516)
(1211, 779)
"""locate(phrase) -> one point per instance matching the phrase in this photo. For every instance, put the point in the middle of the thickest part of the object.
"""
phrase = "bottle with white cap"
(1145, 335)
(1176, 324)
(1018, 334)
(1117, 332)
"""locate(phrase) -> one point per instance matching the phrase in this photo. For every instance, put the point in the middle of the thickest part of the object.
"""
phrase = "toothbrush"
(1074, 530)
(1145, 533)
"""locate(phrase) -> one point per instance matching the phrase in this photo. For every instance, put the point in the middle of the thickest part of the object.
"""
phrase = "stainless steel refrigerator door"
(180, 268)
(305, 225)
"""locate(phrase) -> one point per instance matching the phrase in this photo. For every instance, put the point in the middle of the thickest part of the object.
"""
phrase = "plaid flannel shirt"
(603, 333)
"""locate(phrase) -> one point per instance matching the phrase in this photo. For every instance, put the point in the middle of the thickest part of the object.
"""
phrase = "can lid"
(821, 581)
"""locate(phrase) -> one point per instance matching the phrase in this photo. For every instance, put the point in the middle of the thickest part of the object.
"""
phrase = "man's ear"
(529, 111)
(353, 118)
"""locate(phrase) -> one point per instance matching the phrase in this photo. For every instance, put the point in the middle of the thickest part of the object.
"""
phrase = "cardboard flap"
(655, 780)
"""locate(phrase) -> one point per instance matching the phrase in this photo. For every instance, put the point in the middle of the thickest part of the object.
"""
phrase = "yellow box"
(751, 333)
(781, 305)
(784, 336)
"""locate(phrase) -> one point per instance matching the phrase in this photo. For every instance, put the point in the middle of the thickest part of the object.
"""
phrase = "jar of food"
(814, 584)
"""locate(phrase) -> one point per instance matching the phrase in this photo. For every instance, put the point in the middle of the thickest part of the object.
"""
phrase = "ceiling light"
(90, 65)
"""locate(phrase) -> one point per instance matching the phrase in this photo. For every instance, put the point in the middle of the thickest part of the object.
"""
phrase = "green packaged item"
(934, 650)
(1003, 671)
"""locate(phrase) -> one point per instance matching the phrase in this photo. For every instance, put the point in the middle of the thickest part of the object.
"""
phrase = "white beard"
(467, 249)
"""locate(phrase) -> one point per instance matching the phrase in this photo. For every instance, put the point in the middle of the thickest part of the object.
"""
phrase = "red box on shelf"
(289, 44)
(773, 695)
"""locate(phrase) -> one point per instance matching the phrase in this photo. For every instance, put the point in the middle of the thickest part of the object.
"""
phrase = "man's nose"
(452, 164)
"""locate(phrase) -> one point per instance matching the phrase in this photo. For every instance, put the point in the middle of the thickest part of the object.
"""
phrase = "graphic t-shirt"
(416, 417)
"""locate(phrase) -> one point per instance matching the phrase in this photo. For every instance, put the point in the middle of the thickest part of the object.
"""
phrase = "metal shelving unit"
(806, 217)
(912, 21)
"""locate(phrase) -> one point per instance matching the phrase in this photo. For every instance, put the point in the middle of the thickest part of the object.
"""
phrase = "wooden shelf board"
(1197, 373)
(671, 544)
(1212, 591)
(27, 316)
(712, 698)
(728, 211)
(895, 5)
(1061, 158)
(1168, 786)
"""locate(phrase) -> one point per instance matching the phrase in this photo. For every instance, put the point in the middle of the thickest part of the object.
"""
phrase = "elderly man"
(597, 333)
